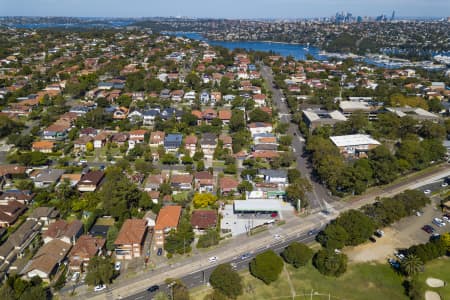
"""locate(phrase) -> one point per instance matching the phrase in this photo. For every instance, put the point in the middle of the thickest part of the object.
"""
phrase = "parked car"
(99, 288)
(245, 256)
(428, 229)
(75, 276)
(395, 264)
(153, 288)
(212, 259)
(117, 266)
(399, 255)
(439, 222)
(160, 252)
(379, 233)
(372, 239)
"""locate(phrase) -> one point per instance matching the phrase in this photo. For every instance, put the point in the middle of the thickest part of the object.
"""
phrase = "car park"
(153, 288)
(99, 288)
(212, 259)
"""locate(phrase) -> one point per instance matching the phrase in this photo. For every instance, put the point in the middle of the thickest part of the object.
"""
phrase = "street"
(319, 198)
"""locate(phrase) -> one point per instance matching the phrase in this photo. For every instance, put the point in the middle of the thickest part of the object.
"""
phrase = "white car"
(444, 184)
(75, 276)
(117, 266)
(277, 236)
(427, 192)
(212, 259)
(99, 288)
(400, 256)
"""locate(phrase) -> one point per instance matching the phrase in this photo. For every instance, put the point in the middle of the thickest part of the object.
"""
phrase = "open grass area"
(440, 269)
(361, 281)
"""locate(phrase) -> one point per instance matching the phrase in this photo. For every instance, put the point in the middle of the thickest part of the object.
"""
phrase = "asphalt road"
(319, 197)
(201, 277)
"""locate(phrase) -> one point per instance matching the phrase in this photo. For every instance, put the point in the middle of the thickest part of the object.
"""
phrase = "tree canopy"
(266, 266)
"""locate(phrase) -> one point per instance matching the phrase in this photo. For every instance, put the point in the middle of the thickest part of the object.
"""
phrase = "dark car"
(372, 239)
(160, 251)
(153, 288)
(428, 229)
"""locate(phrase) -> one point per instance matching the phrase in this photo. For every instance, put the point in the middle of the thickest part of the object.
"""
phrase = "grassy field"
(361, 281)
(438, 268)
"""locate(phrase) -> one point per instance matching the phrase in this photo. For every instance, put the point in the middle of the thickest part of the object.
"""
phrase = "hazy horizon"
(231, 9)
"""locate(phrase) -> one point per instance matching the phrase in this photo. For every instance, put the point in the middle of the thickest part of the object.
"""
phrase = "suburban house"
(172, 142)
(354, 145)
(168, 218)
(136, 137)
(228, 185)
(22, 196)
(130, 240)
(153, 182)
(18, 242)
(225, 116)
(204, 182)
(44, 215)
(61, 230)
(43, 146)
(120, 138)
(190, 144)
(46, 177)
(10, 212)
(274, 176)
(317, 118)
(73, 179)
(260, 127)
(86, 248)
(81, 143)
(181, 182)
(149, 116)
(57, 131)
(47, 260)
(202, 220)
(90, 181)
(227, 142)
(208, 143)
(157, 138)
(100, 140)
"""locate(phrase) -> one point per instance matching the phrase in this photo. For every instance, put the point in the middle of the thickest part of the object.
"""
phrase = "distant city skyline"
(231, 9)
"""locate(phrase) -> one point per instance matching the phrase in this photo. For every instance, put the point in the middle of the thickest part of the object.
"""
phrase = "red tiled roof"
(132, 232)
(202, 219)
(168, 217)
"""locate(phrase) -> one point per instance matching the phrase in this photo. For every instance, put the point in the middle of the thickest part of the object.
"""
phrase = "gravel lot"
(400, 235)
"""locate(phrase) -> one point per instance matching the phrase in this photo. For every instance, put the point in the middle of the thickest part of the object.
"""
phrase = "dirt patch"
(380, 250)
(434, 282)
(430, 295)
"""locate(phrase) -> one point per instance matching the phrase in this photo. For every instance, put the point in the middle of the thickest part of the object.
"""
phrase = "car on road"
(159, 252)
(117, 266)
(428, 229)
(427, 192)
(153, 288)
(311, 232)
(245, 256)
(277, 236)
(212, 259)
(99, 288)
(444, 184)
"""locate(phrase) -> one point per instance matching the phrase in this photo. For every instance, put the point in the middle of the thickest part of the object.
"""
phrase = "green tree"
(210, 238)
(330, 263)
(179, 241)
(111, 236)
(266, 266)
(100, 271)
(237, 121)
(411, 265)
(226, 280)
(258, 115)
(297, 254)
(245, 186)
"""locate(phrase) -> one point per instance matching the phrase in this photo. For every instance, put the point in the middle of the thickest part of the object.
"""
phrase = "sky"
(232, 9)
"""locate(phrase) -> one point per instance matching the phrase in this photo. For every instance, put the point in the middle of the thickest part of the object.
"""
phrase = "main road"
(319, 198)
